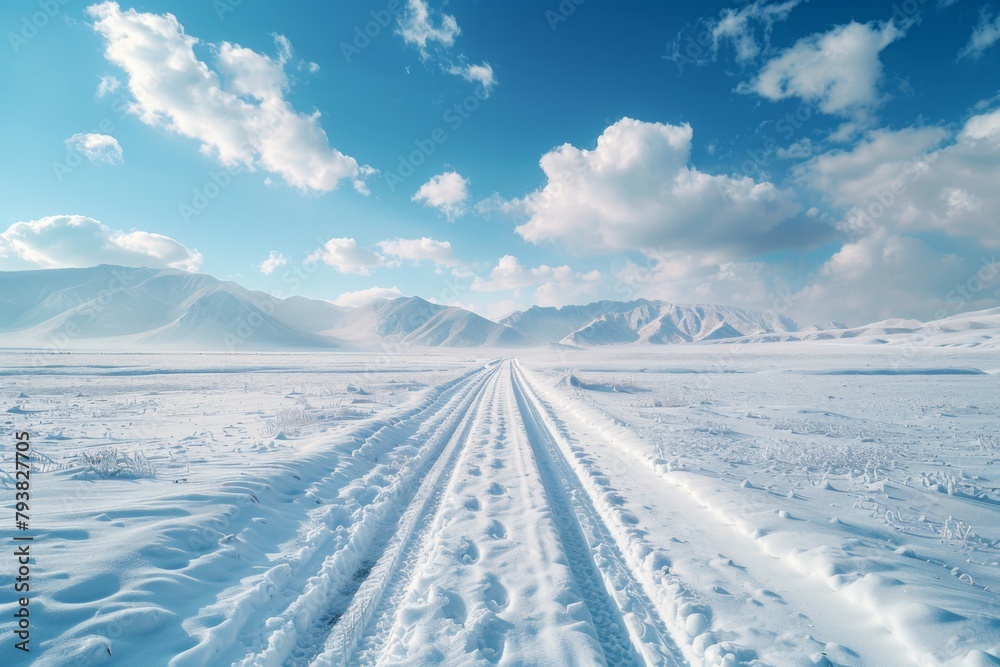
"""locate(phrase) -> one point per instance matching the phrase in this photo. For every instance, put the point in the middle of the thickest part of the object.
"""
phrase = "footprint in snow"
(469, 552)
(488, 637)
(629, 519)
(496, 530)
(452, 606)
(495, 594)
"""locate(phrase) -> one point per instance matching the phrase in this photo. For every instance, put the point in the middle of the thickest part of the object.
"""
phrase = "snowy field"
(772, 504)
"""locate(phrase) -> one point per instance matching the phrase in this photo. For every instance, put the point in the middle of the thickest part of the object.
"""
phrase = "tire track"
(484, 455)
(397, 558)
(606, 617)
(714, 527)
(629, 626)
(373, 644)
(339, 544)
(494, 582)
(460, 588)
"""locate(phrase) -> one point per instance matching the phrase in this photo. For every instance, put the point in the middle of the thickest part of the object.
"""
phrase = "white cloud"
(554, 285)
(887, 191)
(98, 148)
(512, 208)
(274, 260)
(564, 293)
(510, 274)
(434, 33)
(107, 84)
(984, 126)
(345, 255)
(839, 70)
(917, 179)
(738, 27)
(446, 192)
(417, 27)
(851, 177)
(847, 132)
(892, 187)
(60, 241)
(801, 149)
(422, 249)
(481, 74)
(681, 278)
(880, 276)
(365, 296)
(241, 119)
(985, 35)
(637, 190)
(874, 277)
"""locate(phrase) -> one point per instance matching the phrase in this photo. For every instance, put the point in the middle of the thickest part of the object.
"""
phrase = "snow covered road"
(506, 512)
(488, 549)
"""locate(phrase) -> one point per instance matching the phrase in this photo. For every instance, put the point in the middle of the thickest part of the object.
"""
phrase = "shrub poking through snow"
(109, 463)
(287, 419)
(42, 462)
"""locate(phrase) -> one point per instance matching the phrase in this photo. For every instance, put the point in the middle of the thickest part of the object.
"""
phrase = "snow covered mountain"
(111, 307)
(414, 321)
(116, 308)
(973, 329)
(642, 321)
(555, 324)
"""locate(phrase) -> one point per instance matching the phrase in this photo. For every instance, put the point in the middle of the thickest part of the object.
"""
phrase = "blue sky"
(825, 160)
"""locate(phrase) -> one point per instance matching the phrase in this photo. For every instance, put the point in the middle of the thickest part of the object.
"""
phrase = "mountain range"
(115, 308)
(642, 321)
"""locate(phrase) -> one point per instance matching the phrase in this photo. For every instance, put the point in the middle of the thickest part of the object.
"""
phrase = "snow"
(784, 503)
